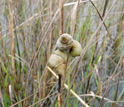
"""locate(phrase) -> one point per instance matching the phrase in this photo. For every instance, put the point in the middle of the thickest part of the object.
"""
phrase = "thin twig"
(101, 18)
(77, 96)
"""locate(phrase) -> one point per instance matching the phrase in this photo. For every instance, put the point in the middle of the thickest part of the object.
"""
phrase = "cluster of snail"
(58, 58)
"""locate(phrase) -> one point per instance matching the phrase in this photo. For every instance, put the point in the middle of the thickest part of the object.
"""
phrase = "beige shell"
(62, 54)
(64, 42)
(55, 60)
(76, 49)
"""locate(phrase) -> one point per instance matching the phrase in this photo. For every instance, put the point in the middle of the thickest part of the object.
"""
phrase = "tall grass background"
(29, 30)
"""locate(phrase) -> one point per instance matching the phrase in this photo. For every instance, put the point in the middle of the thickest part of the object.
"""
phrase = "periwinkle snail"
(76, 49)
(57, 61)
(64, 42)
(58, 58)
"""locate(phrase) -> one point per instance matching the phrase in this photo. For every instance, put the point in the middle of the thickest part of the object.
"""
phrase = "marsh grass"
(29, 30)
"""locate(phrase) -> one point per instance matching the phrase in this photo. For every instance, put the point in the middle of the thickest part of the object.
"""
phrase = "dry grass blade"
(100, 97)
(73, 17)
(83, 103)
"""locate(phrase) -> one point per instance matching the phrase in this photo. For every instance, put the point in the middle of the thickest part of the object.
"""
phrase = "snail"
(58, 58)
(57, 61)
(76, 49)
(64, 42)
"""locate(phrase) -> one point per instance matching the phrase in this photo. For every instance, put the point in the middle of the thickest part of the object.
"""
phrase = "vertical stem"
(60, 91)
(11, 35)
(73, 18)
(50, 33)
(105, 7)
(60, 32)
(61, 16)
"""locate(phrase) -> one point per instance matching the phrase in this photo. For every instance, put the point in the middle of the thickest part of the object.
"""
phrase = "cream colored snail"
(64, 42)
(57, 61)
(76, 49)
(58, 58)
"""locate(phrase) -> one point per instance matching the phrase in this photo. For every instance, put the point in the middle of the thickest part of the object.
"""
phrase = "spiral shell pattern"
(64, 42)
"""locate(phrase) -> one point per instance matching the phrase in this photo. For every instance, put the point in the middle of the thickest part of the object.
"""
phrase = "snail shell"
(76, 49)
(62, 54)
(64, 42)
(57, 61)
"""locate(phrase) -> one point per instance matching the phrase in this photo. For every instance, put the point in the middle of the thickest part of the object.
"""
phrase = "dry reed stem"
(66, 86)
(11, 12)
(73, 17)
(61, 17)
(60, 32)
(59, 99)
(94, 96)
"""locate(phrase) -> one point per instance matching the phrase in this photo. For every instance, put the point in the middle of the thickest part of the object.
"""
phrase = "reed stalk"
(11, 12)
(60, 32)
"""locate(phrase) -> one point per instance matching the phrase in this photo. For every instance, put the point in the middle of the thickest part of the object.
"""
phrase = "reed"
(11, 12)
